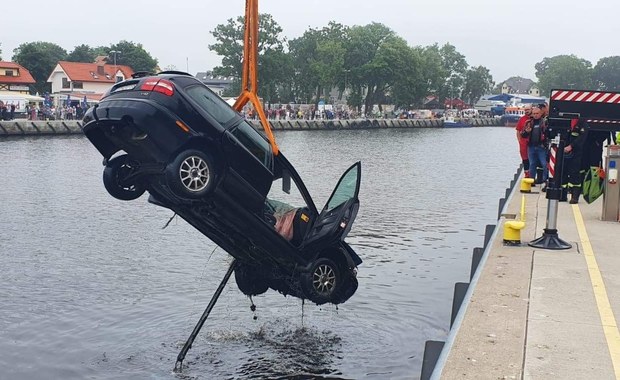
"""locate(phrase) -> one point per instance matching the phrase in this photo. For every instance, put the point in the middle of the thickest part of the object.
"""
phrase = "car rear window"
(213, 104)
(124, 86)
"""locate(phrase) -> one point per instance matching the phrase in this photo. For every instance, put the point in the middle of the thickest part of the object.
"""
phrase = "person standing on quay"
(573, 153)
(534, 131)
(523, 140)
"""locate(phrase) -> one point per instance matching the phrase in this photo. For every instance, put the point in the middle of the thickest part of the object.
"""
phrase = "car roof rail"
(174, 72)
(141, 74)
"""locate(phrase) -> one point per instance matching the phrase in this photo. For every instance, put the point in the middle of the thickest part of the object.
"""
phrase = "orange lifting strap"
(249, 84)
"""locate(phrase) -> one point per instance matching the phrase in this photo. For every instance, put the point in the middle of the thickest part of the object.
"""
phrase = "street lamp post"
(346, 73)
(115, 53)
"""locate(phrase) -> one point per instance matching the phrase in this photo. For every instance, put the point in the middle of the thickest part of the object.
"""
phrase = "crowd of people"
(43, 112)
(65, 112)
(7, 111)
(583, 149)
(310, 113)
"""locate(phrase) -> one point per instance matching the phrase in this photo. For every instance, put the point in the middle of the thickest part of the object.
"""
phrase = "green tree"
(302, 51)
(317, 58)
(432, 69)
(400, 68)
(39, 58)
(229, 46)
(563, 71)
(606, 73)
(132, 55)
(367, 53)
(82, 53)
(454, 66)
(331, 53)
(478, 81)
(0, 52)
(102, 51)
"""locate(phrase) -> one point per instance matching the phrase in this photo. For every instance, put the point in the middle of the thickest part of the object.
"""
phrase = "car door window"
(254, 142)
(346, 189)
(212, 104)
(291, 215)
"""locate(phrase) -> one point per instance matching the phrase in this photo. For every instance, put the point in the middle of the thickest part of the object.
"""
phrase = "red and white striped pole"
(553, 151)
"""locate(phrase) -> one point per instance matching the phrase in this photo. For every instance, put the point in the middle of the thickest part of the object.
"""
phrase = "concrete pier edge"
(60, 127)
(462, 294)
(24, 127)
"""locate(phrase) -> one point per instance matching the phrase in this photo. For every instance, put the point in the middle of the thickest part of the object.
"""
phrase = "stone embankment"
(65, 127)
(29, 128)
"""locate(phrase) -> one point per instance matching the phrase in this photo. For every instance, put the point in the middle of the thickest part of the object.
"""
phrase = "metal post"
(550, 238)
(115, 52)
(203, 318)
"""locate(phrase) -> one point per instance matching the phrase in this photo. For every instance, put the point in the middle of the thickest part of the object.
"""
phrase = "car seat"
(301, 223)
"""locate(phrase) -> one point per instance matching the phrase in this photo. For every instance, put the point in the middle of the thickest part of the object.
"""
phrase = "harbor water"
(93, 287)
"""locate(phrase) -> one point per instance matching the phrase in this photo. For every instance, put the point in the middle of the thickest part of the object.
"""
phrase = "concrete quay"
(29, 128)
(541, 314)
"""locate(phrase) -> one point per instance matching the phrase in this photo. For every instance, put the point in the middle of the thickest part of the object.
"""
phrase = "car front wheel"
(322, 282)
(191, 174)
(115, 175)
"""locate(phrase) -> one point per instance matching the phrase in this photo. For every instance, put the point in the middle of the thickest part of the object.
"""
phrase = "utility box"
(611, 196)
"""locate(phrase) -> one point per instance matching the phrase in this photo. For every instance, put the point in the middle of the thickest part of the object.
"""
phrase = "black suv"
(169, 134)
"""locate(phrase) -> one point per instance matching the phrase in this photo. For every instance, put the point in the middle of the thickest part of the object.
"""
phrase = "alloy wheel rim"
(123, 172)
(324, 279)
(194, 173)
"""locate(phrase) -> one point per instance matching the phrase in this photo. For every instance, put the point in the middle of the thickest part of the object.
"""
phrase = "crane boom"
(249, 80)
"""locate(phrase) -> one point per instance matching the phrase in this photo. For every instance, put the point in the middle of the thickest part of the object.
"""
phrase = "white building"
(90, 80)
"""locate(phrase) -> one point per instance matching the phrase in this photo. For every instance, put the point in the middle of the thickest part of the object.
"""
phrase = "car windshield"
(213, 104)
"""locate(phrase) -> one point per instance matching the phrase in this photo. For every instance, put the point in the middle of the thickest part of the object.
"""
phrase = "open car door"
(335, 220)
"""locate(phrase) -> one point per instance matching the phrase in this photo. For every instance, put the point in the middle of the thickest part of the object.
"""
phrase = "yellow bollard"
(512, 228)
(526, 185)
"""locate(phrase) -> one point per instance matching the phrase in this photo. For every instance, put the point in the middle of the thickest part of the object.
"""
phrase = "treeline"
(570, 71)
(40, 58)
(376, 66)
(371, 62)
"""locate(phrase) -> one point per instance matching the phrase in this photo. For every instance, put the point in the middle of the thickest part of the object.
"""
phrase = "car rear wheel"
(191, 174)
(322, 282)
(115, 175)
(248, 281)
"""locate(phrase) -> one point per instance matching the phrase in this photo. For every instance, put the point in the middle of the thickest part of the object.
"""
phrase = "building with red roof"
(15, 77)
(92, 80)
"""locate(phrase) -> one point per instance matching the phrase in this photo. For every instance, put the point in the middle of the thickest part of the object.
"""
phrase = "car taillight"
(158, 85)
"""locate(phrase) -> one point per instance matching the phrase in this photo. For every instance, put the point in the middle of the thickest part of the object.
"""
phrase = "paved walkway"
(542, 314)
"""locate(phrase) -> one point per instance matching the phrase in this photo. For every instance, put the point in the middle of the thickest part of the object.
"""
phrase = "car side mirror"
(286, 181)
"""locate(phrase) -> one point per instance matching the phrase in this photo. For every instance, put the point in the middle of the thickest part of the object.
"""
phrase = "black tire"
(248, 281)
(322, 283)
(191, 174)
(114, 174)
(348, 289)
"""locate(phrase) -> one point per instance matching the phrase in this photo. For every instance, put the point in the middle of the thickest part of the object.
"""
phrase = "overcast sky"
(508, 37)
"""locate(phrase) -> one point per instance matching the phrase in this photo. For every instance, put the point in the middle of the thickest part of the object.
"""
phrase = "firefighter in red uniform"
(523, 140)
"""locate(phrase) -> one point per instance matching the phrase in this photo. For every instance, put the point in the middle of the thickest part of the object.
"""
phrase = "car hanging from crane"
(170, 135)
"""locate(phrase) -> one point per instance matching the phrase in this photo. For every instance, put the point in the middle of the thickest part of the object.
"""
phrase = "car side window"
(213, 104)
(283, 201)
(253, 142)
(283, 205)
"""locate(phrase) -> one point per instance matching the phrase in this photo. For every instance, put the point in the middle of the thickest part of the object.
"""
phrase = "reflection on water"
(92, 287)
